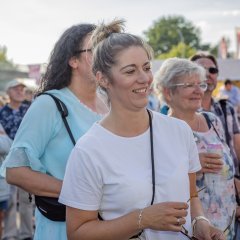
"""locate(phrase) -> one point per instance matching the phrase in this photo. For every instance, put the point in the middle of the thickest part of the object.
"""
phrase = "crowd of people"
(99, 161)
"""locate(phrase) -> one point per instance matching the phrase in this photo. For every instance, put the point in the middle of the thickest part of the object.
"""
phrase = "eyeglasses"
(191, 86)
(184, 231)
(83, 50)
(212, 70)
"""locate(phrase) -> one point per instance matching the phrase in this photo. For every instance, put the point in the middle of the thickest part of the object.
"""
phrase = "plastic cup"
(217, 148)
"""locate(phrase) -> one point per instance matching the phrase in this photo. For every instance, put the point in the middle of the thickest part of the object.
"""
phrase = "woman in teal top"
(40, 150)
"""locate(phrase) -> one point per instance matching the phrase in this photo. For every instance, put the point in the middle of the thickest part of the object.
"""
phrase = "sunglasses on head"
(212, 70)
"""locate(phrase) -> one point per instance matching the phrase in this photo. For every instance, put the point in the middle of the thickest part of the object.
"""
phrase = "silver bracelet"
(194, 221)
(140, 219)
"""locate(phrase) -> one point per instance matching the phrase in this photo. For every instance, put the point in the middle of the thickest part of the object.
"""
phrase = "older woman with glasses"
(182, 84)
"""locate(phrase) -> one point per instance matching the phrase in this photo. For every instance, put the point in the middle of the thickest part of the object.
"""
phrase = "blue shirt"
(233, 95)
(11, 118)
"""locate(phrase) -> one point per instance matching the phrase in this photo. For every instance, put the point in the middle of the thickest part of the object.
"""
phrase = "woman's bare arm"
(34, 182)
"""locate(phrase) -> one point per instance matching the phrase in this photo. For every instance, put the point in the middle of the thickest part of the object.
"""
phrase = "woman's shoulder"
(91, 137)
(210, 116)
(168, 119)
(46, 100)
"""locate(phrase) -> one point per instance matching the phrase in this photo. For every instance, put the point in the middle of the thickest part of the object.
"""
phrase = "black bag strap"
(64, 113)
(223, 104)
(153, 166)
(210, 124)
(152, 155)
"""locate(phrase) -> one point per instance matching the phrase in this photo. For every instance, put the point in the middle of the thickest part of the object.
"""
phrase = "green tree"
(4, 61)
(181, 50)
(3, 54)
(168, 32)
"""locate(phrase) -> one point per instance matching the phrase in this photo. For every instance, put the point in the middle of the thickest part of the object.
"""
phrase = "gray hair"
(175, 68)
(110, 39)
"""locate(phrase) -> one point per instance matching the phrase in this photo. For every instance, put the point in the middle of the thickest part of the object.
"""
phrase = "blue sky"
(29, 28)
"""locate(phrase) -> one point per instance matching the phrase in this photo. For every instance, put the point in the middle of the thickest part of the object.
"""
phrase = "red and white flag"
(223, 49)
(238, 42)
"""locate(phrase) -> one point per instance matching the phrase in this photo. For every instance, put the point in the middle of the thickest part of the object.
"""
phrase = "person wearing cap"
(11, 116)
(12, 113)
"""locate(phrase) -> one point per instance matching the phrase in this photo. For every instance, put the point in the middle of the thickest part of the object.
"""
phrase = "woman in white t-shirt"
(139, 183)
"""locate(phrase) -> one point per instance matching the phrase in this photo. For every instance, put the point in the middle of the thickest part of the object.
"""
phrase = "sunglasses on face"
(212, 70)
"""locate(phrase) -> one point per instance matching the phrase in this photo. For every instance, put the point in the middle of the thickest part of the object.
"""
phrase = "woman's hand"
(166, 216)
(210, 162)
(204, 231)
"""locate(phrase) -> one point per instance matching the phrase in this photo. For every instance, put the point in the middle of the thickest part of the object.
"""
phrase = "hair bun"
(103, 31)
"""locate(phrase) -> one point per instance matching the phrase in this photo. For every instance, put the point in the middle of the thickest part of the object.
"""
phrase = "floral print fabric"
(218, 197)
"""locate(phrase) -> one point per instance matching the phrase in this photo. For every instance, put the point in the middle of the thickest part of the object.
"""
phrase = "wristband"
(194, 221)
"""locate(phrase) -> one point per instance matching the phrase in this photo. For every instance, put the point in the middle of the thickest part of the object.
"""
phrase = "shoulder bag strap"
(64, 113)
(210, 124)
(153, 166)
(224, 109)
(152, 155)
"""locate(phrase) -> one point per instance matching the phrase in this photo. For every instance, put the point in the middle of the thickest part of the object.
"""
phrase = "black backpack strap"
(64, 113)
(210, 124)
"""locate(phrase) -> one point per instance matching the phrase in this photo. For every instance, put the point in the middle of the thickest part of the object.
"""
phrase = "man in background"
(231, 92)
(11, 116)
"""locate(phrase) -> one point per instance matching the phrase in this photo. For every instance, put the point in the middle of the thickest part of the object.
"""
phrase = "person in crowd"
(222, 108)
(182, 84)
(227, 114)
(2, 102)
(123, 168)
(29, 95)
(153, 102)
(11, 116)
(231, 92)
(37, 159)
(13, 112)
(5, 144)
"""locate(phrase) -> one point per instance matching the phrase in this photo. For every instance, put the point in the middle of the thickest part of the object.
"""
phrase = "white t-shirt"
(113, 174)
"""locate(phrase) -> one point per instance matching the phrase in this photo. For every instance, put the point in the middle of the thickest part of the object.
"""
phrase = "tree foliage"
(181, 50)
(3, 54)
(168, 32)
(4, 61)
